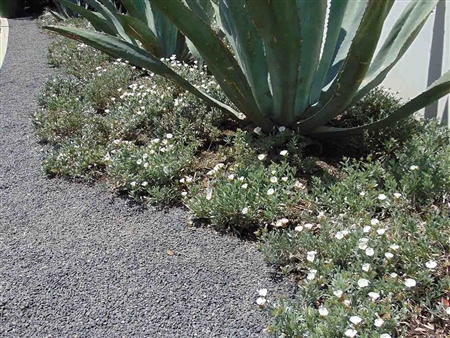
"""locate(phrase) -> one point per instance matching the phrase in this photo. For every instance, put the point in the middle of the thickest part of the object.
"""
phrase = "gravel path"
(75, 262)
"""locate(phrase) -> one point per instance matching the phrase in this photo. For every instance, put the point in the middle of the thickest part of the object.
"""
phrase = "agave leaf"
(437, 90)
(247, 45)
(221, 62)
(96, 19)
(141, 32)
(111, 17)
(57, 16)
(165, 32)
(139, 9)
(354, 69)
(205, 11)
(119, 48)
(400, 38)
(203, 8)
(282, 42)
(110, 5)
(336, 16)
(62, 13)
(352, 19)
(312, 21)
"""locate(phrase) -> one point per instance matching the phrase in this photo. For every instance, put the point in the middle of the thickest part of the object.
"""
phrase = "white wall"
(413, 73)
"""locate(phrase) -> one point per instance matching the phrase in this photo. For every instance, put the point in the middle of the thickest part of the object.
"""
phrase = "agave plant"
(294, 63)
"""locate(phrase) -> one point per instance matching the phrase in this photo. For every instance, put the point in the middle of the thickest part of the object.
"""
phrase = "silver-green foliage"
(294, 63)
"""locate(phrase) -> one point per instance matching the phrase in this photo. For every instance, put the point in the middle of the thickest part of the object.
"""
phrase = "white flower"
(261, 157)
(257, 130)
(231, 177)
(393, 275)
(219, 166)
(339, 235)
(355, 320)
(244, 186)
(309, 225)
(262, 292)
(273, 179)
(373, 296)
(397, 195)
(298, 185)
(431, 264)
(447, 311)
(261, 301)
(169, 136)
(414, 168)
(184, 193)
(281, 129)
(139, 162)
(208, 193)
(350, 333)
(374, 221)
(410, 283)
(323, 311)
(389, 255)
(362, 246)
(366, 267)
(155, 140)
(381, 231)
(284, 221)
(244, 211)
(382, 197)
(362, 193)
(298, 228)
(338, 293)
(311, 255)
(144, 184)
(270, 192)
(367, 229)
(385, 335)
(394, 247)
(378, 322)
(362, 282)
(311, 275)
(321, 215)
(146, 165)
(347, 302)
(283, 152)
(133, 184)
(242, 178)
(211, 172)
(370, 252)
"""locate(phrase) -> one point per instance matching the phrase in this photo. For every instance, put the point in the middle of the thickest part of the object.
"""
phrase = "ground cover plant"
(363, 233)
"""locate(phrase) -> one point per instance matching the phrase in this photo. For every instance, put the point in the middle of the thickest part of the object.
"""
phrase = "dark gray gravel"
(75, 262)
